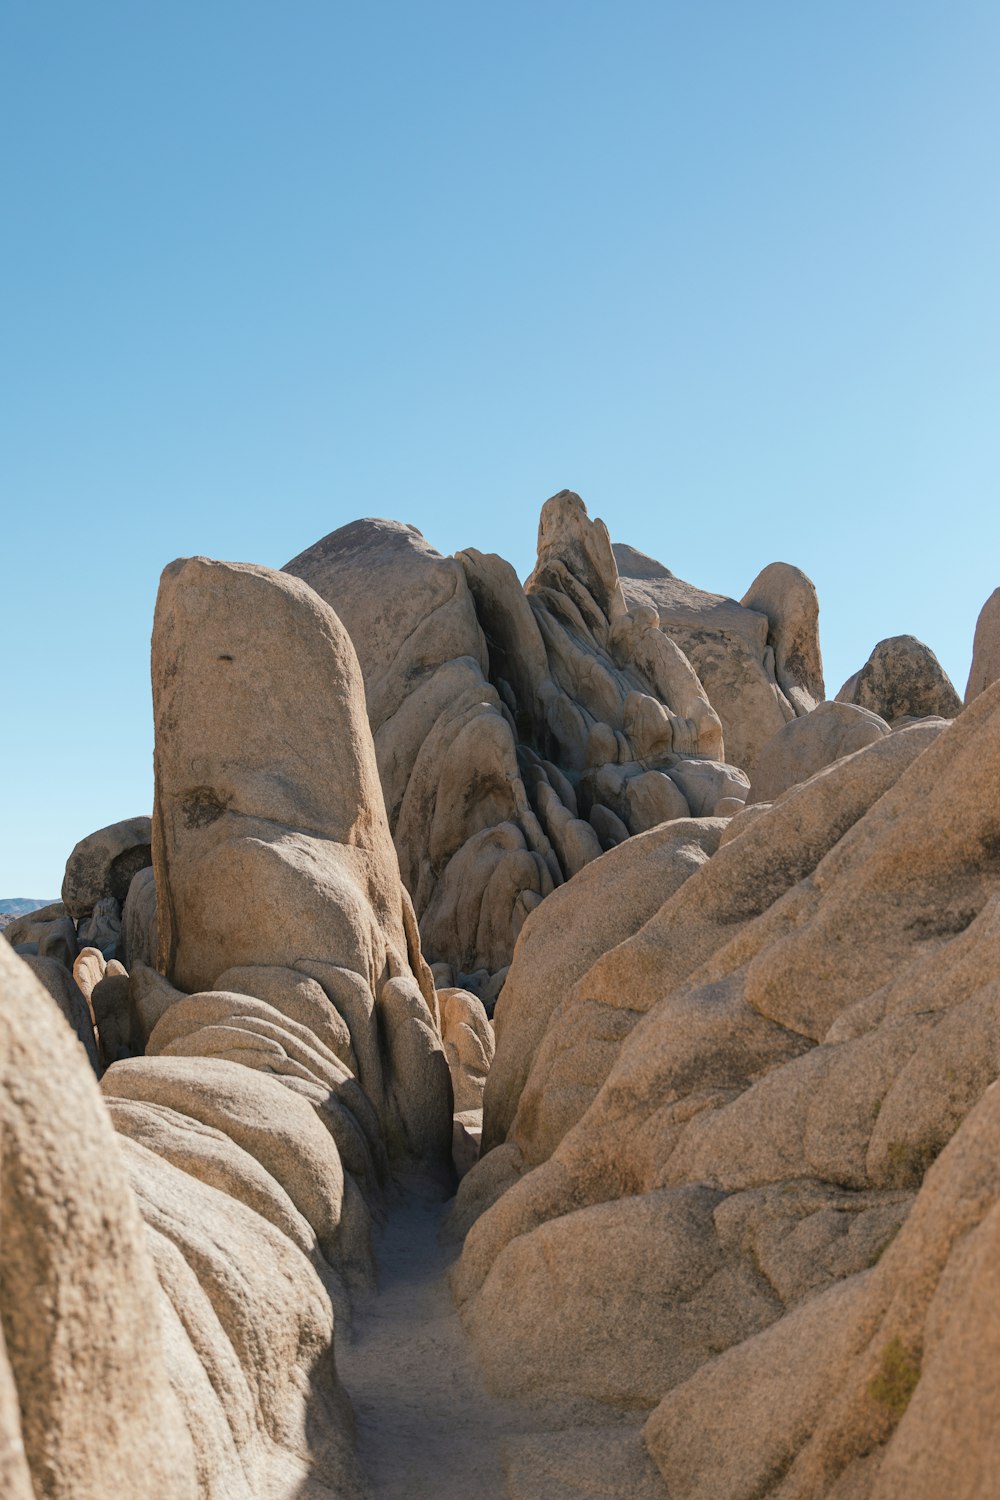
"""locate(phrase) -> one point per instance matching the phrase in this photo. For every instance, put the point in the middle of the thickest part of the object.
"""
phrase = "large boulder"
(103, 864)
(902, 679)
(270, 840)
(806, 745)
(600, 908)
(48, 932)
(139, 941)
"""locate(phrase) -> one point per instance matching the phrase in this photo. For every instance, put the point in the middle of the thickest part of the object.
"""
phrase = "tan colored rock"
(606, 1462)
(83, 1346)
(103, 864)
(600, 908)
(788, 598)
(88, 970)
(708, 783)
(985, 667)
(248, 823)
(150, 996)
(808, 744)
(469, 1044)
(811, 1017)
(642, 1293)
(31, 928)
(282, 1132)
(46, 933)
(726, 645)
(445, 751)
(298, 998)
(902, 679)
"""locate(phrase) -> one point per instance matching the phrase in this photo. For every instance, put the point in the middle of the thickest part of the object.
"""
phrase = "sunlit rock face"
(752, 1165)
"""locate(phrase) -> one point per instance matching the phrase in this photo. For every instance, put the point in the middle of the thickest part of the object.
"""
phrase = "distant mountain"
(19, 906)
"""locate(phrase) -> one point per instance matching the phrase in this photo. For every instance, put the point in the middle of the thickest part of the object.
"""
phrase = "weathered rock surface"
(736, 648)
(518, 732)
(806, 745)
(985, 667)
(470, 852)
(902, 679)
(469, 1044)
(808, 1020)
(738, 1101)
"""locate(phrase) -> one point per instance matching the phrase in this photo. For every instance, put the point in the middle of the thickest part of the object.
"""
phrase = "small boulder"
(103, 864)
(902, 679)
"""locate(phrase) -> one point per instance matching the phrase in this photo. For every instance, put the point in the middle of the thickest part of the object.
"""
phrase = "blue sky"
(727, 269)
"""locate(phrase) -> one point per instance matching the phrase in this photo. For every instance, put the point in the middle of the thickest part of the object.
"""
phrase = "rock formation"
(518, 732)
(254, 1136)
(759, 661)
(811, 1017)
(577, 894)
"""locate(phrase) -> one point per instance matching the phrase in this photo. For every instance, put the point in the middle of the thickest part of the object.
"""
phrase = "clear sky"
(729, 269)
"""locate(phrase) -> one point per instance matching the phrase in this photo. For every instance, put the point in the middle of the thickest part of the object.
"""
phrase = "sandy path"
(427, 1428)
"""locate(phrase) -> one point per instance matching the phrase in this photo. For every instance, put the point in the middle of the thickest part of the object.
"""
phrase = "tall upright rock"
(270, 841)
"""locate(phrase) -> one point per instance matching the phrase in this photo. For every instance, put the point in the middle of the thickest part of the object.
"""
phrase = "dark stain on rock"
(202, 805)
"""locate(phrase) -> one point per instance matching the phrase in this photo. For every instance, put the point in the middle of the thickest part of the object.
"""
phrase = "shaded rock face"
(743, 1232)
(902, 679)
(518, 732)
(102, 865)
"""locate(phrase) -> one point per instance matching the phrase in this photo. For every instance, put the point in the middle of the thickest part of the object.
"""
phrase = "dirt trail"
(427, 1428)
